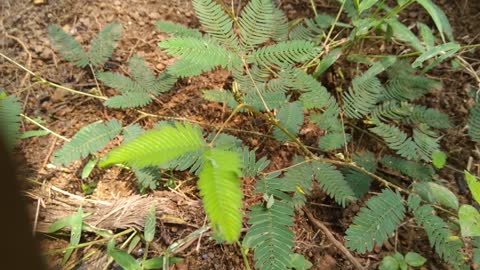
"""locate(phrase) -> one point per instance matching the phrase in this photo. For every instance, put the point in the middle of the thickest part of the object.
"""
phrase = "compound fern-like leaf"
(412, 169)
(157, 147)
(474, 122)
(333, 183)
(215, 21)
(219, 187)
(104, 43)
(359, 181)
(128, 100)
(256, 23)
(177, 30)
(10, 109)
(204, 52)
(396, 140)
(376, 222)
(88, 140)
(332, 141)
(251, 167)
(312, 29)
(67, 46)
(270, 235)
(282, 53)
(291, 117)
(448, 247)
(362, 97)
(119, 82)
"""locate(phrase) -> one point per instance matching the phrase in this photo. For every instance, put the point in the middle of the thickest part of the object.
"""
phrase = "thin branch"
(332, 239)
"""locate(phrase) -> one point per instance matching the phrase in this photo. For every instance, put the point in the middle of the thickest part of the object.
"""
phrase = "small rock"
(117, 3)
(154, 15)
(45, 54)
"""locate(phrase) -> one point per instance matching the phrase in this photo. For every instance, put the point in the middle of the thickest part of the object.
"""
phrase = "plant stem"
(44, 127)
(244, 256)
(239, 106)
(314, 8)
(82, 245)
(47, 82)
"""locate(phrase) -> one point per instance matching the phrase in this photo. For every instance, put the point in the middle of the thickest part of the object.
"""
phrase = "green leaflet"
(215, 21)
(332, 141)
(203, 52)
(397, 140)
(88, 140)
(68, 47)
(256, 23)
(376, 222)
(76, 223)
(287, 52)
(136, 92)
(157, 147)
(291, 117)
(131, 132)
(474, 122)
(333, 183)
(402, 33)
(362, 97)
(366, 4)
(439, 18)
(444, 50)
(219, 187)
(100, 51)
(270, 236)
(311, 29)
(417, 171)
(128, 100)
(10, 109)
(104, 43)
(177, 29)
(441, 239)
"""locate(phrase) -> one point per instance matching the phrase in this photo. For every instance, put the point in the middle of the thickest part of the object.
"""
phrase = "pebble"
(154, 15)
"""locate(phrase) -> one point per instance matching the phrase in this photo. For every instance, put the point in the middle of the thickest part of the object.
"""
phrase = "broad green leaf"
(219, 187)
(439, 159)
(427, 35)
(389, 263)
(366, 4)
(34, 133)
(414, 259)
(133, 244)
(63, 222)
(157, 147)
(75, 234)
(87, 170)
(440, 50)
(402, 33)
(435, 193)
(469, 221)
(327, 62)
(439, 18)
(298, 262)
(401, 261)
(473, 185)
(122, 258)
(380, 66)
(157, 263)
(150, 223)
